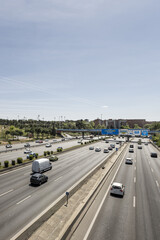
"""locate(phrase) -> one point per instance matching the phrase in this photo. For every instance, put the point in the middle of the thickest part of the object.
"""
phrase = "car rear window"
(116, 187)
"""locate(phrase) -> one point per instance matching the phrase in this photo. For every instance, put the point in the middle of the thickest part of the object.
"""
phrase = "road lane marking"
(6, 192)
(152, 169)
(157, 183)
(57, 179)
(134, 179)
(135, 168)
(134, 201)
(149, 162)
(23, 200)
(101, 204)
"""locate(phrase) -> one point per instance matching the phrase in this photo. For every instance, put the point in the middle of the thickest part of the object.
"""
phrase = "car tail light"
(111, 188)
(121, 190)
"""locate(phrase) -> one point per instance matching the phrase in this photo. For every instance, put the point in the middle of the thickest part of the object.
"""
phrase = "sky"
(88, 59)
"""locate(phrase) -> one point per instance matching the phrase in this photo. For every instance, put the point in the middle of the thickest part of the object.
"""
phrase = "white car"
(139, 147)
(97, 149)
(27, 151)
(131, 150)
(117, 189)
(48, 145)
(129, 161)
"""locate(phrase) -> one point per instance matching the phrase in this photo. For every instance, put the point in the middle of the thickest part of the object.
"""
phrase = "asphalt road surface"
(137, 215)
(20, 202)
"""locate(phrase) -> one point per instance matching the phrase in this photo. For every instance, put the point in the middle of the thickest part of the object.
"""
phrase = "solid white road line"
(23, 200)
(6, 192)
(134, 179)
(134, 201)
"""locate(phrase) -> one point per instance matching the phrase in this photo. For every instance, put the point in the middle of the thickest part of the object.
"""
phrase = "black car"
(154, 154)
(38, 179)
(8, 146)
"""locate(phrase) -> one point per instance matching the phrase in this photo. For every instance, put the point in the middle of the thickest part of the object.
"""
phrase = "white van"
(41, 165)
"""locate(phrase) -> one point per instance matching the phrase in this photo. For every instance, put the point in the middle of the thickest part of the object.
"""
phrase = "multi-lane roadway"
(136, 216)
(20, 202)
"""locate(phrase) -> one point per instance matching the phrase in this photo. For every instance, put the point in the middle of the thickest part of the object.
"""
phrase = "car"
(117, 142)
(131, 146)
(91, 148)
(31, 154)
(131, 150)
(112, 145)
(129, 161)
(38, 179)
(8, 146)
(27, 151)
(40, 141)
(107, 141)
(106, 150)
(26, 145)
(139, 147)
(80, 141)
(117, 189)
(97, 149)
(46, 140)
(110, 148)
(63, 139)
(53, 158)
(146, 143)
(48, 145)
(153, 154)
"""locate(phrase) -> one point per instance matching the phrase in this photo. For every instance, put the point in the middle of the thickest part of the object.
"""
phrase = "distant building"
(118, 123)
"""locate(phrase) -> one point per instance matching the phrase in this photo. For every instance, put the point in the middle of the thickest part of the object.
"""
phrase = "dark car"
(154, 154)
(38, 179)
(110, 148)
(8, 146)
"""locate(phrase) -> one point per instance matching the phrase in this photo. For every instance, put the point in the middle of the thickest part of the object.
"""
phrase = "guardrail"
(27, 231)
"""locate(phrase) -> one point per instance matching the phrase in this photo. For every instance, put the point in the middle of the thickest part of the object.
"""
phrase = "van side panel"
(41, 165)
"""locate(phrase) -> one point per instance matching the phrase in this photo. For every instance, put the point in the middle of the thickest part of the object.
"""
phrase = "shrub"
(19, 160)
(36, 155)
(13, 162)
(81, 143)
(6, 164)
(51, 152)
(48, 152)
(30, 157)
(45, 153)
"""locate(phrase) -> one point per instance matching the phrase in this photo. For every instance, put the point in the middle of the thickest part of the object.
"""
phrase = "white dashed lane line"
(23, 200)
(134, 201)
(157, 183)
(6, 192)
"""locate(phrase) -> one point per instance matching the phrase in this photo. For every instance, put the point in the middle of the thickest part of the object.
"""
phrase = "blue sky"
(73, 59)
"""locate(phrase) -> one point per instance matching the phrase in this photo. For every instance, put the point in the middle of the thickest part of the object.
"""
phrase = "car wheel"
(39, 183)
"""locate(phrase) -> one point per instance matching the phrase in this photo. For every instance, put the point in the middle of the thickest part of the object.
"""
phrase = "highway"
(17, 150)
(20, 202)
(137, 215)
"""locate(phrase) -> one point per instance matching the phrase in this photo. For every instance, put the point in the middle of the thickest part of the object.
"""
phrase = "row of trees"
(34, 128)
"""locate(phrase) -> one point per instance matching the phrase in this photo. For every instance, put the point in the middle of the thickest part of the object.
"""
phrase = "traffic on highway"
(121, 210)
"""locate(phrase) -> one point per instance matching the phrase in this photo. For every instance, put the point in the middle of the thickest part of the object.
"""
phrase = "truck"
(41, 165)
